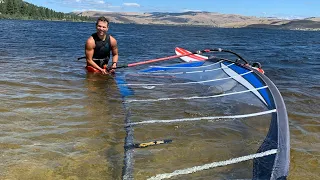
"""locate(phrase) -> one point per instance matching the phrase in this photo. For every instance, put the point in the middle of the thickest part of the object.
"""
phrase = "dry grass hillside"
(206, 19)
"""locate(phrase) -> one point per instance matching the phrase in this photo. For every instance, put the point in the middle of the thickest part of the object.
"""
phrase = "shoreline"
(178, 25)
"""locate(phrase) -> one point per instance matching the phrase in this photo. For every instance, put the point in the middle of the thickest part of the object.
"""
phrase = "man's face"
(102, 27)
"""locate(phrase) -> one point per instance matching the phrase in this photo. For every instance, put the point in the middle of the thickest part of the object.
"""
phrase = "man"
(98, 47)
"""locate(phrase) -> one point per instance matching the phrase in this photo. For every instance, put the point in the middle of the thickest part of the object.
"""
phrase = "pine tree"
(10, 8)
(3, 7)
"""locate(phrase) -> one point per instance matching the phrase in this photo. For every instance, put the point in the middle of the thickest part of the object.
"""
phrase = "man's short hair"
(104, 19)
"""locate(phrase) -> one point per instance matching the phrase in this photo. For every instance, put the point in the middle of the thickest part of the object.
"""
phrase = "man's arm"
(114, 51)
(89, 50)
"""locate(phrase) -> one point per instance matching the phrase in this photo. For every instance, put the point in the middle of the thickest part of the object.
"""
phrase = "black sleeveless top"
(101, 53)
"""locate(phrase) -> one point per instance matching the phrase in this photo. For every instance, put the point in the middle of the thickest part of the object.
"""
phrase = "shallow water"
(58, 122)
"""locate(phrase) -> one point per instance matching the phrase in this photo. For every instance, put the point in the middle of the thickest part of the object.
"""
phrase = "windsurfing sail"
(209, 118)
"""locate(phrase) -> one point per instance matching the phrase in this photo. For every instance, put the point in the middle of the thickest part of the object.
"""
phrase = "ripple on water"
(59, 123)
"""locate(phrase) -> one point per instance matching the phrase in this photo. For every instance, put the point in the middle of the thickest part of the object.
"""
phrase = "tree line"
(18, 9)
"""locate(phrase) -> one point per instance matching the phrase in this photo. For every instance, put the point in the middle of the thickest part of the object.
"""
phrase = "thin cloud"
(131, 4)
(193, 10)
(105, 5)
(282, 16)
(98, 5)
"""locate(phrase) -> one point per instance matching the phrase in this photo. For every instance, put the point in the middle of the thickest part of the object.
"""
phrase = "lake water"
(58, 122)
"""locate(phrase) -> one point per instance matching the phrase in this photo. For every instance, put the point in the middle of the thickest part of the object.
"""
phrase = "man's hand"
(113, 68)
(104, 71)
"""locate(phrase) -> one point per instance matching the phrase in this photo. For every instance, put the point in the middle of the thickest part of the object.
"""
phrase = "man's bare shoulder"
(113, 41)
(90, 42)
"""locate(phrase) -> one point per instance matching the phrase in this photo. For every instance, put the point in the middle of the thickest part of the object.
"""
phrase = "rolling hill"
(211, 19)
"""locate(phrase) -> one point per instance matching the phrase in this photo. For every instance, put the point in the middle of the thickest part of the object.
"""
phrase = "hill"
(205, 19)
(18, 9)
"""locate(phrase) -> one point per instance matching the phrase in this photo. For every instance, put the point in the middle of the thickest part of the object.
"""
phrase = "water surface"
(58, 122)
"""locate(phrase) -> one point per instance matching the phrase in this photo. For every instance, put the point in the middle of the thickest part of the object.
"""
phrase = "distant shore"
(198, 19)
(208, 19)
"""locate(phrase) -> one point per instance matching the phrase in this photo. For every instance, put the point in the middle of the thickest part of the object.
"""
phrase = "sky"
(288, 9)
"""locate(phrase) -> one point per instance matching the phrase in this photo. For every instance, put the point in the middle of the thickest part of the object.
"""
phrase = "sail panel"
(221, 116)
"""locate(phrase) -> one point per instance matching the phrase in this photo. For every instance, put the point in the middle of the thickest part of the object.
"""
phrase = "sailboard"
(208, 117)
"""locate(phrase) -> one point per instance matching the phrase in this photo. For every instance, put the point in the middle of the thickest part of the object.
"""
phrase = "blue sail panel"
(253, 79)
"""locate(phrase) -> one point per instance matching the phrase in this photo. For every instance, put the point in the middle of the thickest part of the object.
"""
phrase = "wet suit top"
(101, 53)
